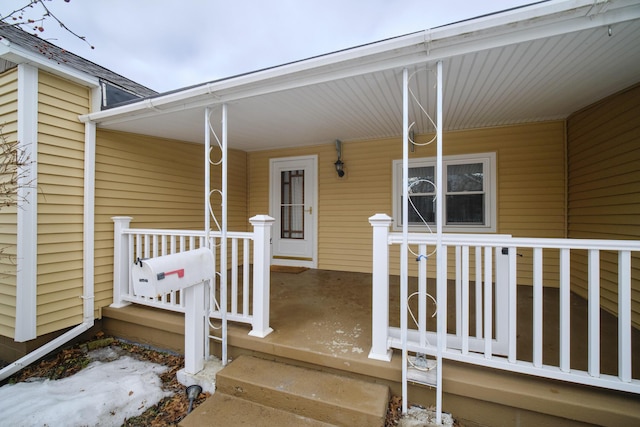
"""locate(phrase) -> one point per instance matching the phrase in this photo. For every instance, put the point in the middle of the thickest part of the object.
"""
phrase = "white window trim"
(490, 188)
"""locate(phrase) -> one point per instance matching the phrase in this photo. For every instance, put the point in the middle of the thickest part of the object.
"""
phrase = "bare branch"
(83, 38)
(17, 15)
(19, 18)
(14, 169)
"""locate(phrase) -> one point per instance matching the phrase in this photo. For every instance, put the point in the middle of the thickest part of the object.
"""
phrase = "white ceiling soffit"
(496, 72)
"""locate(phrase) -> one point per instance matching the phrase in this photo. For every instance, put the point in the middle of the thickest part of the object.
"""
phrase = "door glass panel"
(292, 204)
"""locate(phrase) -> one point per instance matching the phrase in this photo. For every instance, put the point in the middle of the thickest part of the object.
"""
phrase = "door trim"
(273, 206)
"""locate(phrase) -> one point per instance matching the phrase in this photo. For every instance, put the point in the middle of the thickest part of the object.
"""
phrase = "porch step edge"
(223, 409)
(314, 394)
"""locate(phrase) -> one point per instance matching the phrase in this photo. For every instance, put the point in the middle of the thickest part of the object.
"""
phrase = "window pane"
(467, 177)
(465, 209)
(421, 206)
(421, 179)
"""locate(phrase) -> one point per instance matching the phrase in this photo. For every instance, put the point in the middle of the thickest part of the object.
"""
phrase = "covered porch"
(361, 96)
(322, 319)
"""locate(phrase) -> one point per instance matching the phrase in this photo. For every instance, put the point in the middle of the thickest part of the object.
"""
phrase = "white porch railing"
(249, 301)
(477, 269)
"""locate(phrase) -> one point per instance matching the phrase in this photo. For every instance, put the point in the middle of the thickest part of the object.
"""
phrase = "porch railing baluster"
(537, 307)
(234, 276)
(624, 316)
(478, 291)
(464, 297)
(488, 302)
(245, 277)
(145, 246)
(513, 304)
(442, 298)
(422, 294)
(458, 294)
(594, 312)
(565, 311)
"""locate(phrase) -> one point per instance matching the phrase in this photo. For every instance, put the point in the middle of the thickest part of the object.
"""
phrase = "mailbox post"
(186, 272)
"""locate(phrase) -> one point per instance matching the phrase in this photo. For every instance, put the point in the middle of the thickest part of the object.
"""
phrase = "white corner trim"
(88, 293)
(27, 212)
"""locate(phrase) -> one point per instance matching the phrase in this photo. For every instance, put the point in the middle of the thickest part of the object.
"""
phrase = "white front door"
(293, 200)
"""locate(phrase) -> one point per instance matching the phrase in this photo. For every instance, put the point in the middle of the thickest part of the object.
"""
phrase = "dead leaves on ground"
(68, 361)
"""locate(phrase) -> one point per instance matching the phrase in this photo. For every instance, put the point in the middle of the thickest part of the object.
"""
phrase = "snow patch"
(103, 394)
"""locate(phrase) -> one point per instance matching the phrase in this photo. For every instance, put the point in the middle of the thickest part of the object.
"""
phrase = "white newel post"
(121, 260)
(261, 274)
(380, 282)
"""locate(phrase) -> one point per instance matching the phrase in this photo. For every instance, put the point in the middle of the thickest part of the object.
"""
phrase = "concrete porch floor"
(329, 313)
(322, 319)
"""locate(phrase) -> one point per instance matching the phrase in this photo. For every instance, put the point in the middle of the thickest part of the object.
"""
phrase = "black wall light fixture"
(339, 164)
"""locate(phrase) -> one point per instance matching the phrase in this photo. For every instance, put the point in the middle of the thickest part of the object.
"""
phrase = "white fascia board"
(527, 27)
(27, 212)
(299, 74)
(19, 55)
(429, 46)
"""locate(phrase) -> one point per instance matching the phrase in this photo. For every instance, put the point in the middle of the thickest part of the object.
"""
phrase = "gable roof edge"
(18, 55)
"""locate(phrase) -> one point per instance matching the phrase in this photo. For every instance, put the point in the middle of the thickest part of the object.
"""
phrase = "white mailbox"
(187, 271)
(156, 276)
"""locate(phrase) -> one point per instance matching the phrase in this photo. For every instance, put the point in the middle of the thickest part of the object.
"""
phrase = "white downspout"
(88, 305)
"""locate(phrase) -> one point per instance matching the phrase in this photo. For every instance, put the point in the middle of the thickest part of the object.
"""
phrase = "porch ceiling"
(505, 69)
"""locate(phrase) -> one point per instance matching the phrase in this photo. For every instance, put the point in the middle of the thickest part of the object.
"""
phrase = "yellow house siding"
(60, 202)
(8, 217)
(160, 183)
(604, 185)
(530, 174)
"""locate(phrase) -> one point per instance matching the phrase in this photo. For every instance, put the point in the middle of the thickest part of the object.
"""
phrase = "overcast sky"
(169, 44)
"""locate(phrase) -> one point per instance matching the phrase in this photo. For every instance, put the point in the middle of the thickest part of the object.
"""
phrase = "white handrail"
(480, 345)
(131, 243)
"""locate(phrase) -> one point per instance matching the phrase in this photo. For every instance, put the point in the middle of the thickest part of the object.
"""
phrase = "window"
(469, 193)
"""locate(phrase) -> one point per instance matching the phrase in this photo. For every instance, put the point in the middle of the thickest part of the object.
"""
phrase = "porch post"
(380, 293)
(121, 260)
(261, 274)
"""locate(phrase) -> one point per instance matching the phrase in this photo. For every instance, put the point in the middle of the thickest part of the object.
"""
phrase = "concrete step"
(313, 395)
